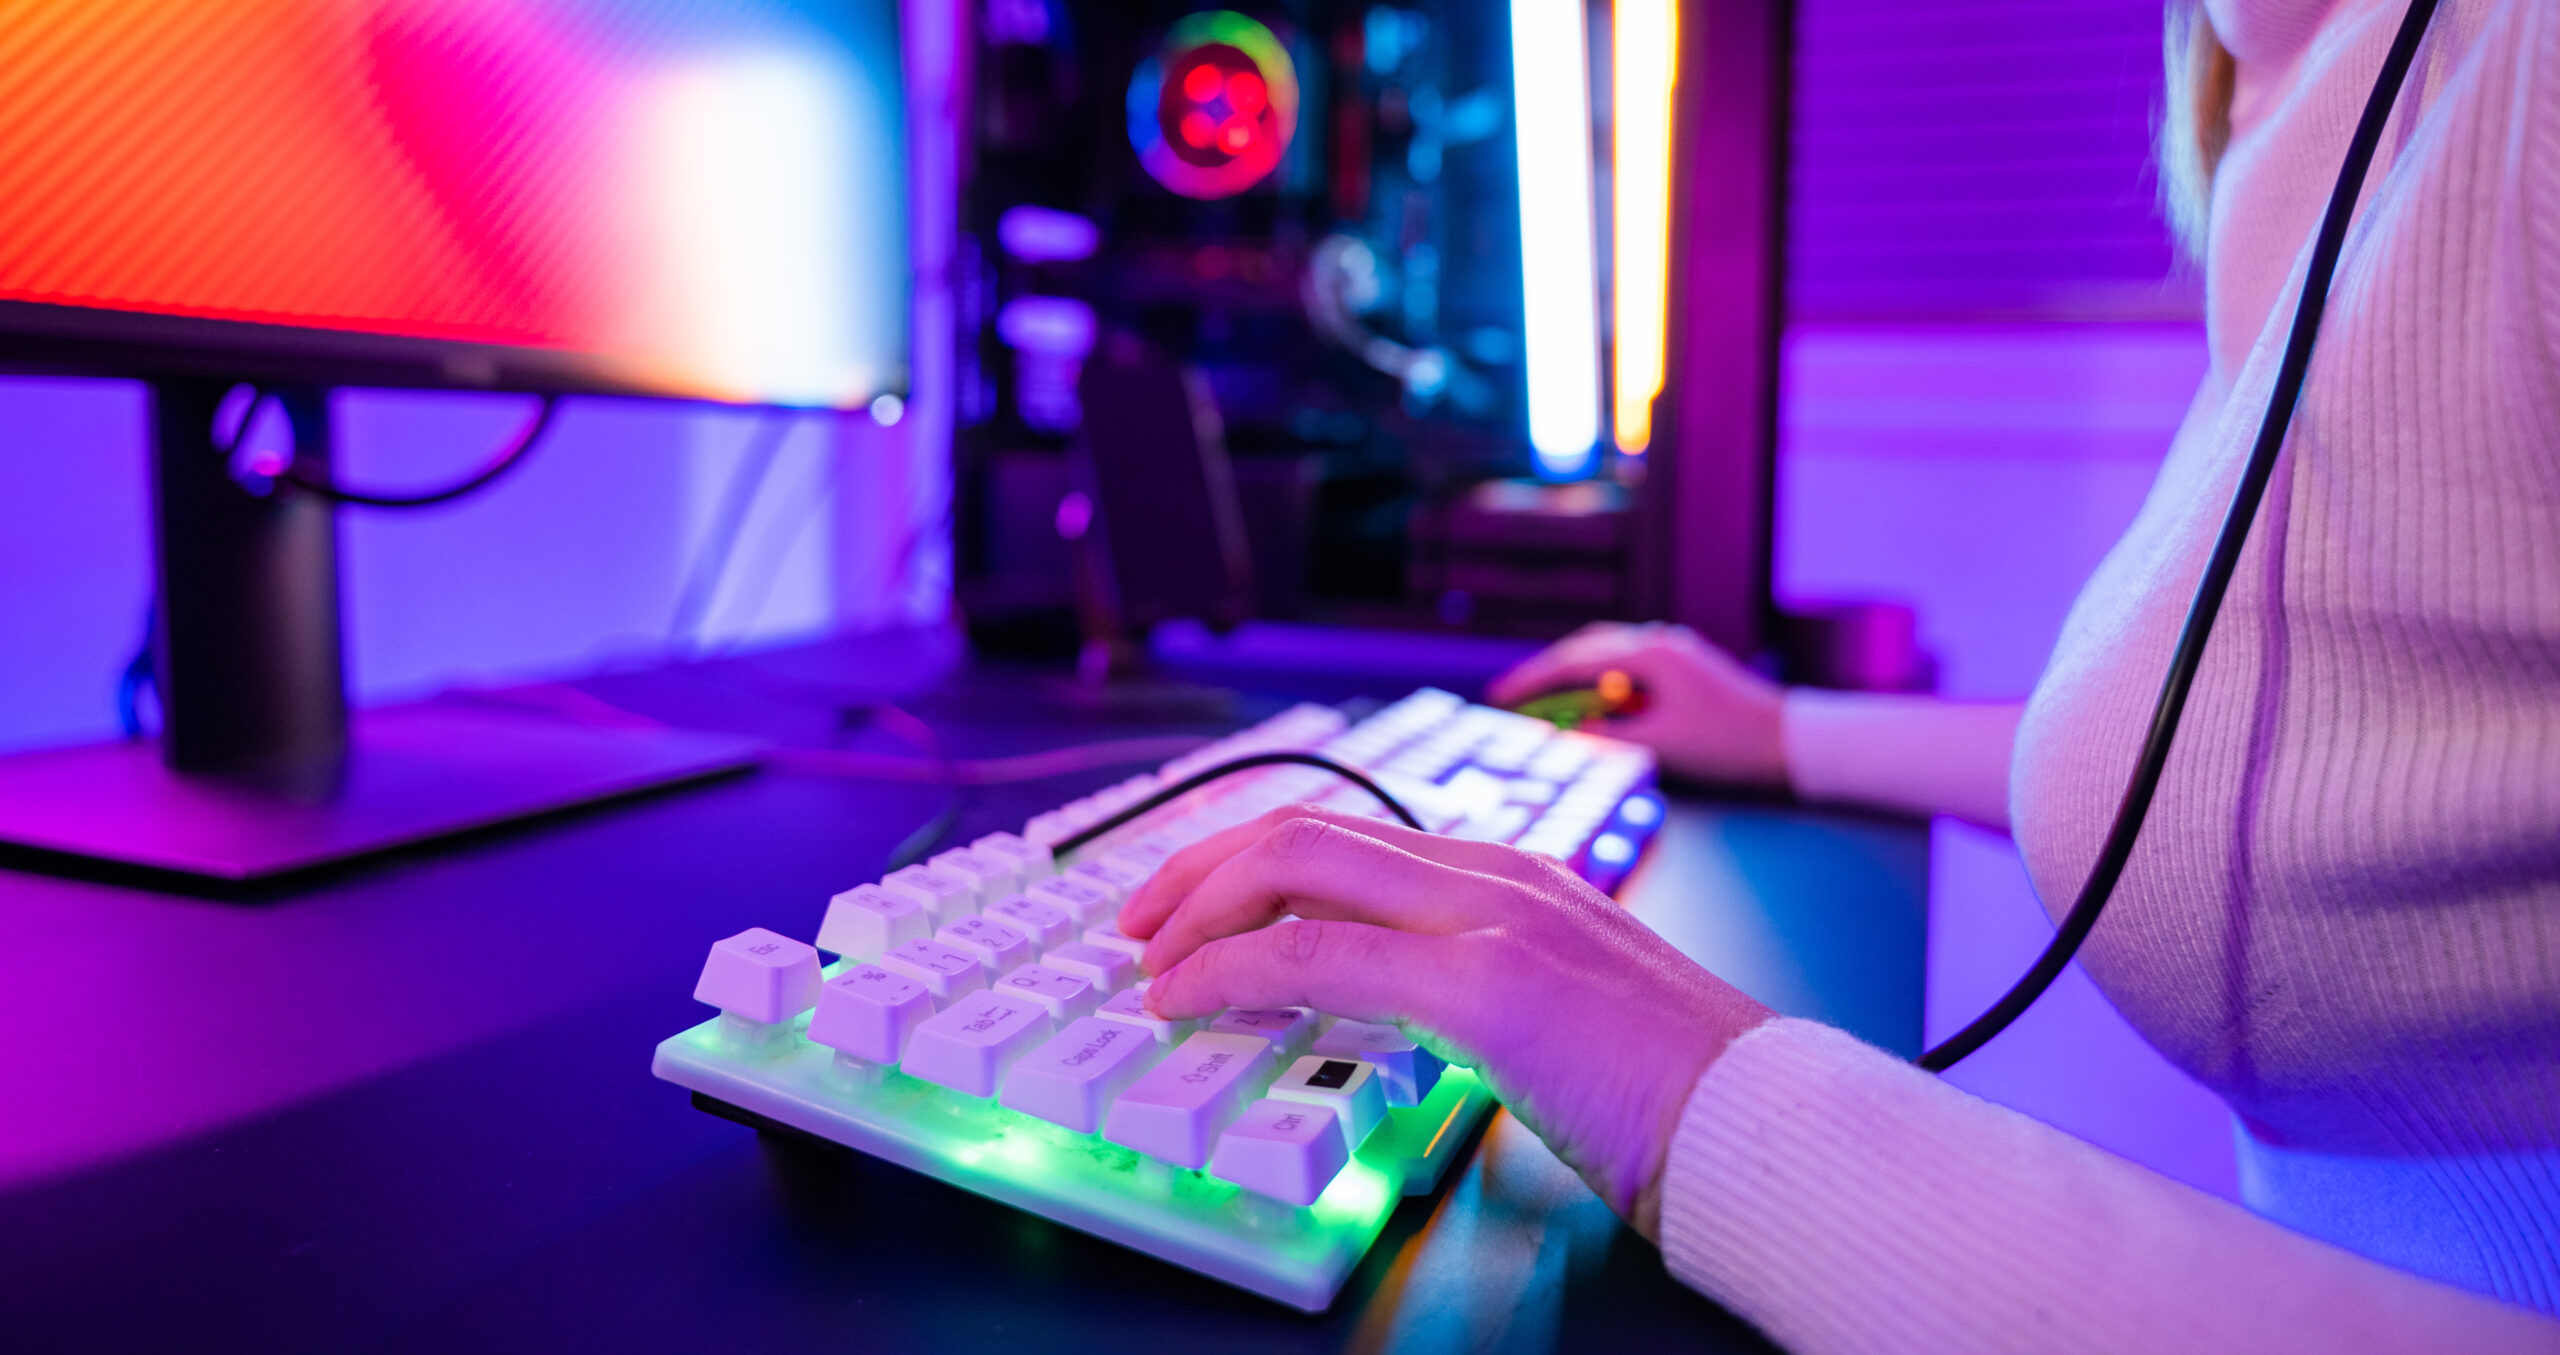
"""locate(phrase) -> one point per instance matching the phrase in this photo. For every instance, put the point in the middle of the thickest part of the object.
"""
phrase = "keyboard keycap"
(1289, 1029)
(1141, 858)
(1409, 1069)
(868, 922)
(1288, 1150)
(944, 898)
(999, 947)
(1030, 861)
(1065, 997)
(1069, 1080)
(946, 971)
(869, 1012)
(993, 876)
(1175, 1109)
(1086, 901)
(761, 976)
(1351, 1088)
(1107, 970)
(1046, 924)
(969, 1044)
(1117, 878)
(1109, 936)
(1130, 1007)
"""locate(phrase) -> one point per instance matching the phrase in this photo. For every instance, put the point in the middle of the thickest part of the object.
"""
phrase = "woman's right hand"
(1590, 1027)
(1705, 715)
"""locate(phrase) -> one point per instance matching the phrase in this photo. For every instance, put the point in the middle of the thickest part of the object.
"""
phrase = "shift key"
(1176, 1110)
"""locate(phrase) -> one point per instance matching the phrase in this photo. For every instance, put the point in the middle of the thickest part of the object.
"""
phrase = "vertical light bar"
(1551, 108)
(1644, 43)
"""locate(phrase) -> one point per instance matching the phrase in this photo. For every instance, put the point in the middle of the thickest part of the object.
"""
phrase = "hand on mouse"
(1704, 714)
(1589, 1027)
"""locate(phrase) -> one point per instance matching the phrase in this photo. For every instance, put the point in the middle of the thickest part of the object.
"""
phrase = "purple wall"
(572, 562)
(1984, 158)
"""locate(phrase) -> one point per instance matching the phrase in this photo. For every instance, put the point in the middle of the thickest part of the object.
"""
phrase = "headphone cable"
(2219, 567)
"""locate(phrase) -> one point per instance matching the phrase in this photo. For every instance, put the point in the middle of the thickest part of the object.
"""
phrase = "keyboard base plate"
(1296, 1256)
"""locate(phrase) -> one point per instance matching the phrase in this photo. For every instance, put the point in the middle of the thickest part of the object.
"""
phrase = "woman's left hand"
(1588, 1026)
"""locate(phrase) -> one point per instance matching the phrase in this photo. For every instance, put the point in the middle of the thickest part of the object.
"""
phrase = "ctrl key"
(868, 1013)
(1287, 1150)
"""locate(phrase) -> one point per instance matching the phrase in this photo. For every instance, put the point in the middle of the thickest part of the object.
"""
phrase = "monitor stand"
(260, 769)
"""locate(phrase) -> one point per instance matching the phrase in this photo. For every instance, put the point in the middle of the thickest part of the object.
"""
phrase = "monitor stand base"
(412, 773)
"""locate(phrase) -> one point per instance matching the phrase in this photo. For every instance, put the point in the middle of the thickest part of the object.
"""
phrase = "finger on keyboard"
(1145, 912)
(1109, 937)
(1287, 1028)
(1320, 869)
(1129, 1005)
(1346, 968)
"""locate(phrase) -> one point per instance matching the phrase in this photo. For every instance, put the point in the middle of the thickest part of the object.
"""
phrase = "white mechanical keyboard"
(982, 1021)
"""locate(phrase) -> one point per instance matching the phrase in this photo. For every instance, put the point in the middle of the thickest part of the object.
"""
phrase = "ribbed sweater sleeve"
(1843, 1200)
(1906, 754)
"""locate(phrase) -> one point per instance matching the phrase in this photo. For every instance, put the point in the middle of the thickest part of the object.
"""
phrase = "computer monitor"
(689, 199)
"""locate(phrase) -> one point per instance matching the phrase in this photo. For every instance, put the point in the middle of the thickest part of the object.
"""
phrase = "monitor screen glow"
(687, 197)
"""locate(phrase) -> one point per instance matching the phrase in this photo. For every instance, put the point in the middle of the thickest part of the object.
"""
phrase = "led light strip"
(1644, 44)
(1551, 112)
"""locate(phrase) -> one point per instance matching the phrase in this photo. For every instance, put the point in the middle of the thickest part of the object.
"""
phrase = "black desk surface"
(407, 1106)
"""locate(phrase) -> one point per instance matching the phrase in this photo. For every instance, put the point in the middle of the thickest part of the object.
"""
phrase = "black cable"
(507, 460)
(2218, 570)
(140, 672)
(1247, 763)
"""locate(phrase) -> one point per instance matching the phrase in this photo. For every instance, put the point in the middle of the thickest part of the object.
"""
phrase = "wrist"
(1731, 1018)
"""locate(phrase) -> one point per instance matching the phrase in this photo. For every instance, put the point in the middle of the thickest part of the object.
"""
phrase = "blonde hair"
(2195, 121)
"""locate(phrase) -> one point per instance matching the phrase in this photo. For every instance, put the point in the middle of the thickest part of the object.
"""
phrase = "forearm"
(1915, 755)
(1845, 1201)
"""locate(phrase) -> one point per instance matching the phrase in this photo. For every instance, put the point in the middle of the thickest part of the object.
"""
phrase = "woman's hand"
(1705, 714)
(1591, 1028)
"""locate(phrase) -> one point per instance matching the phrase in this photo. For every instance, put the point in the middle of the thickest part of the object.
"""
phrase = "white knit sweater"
(2344, 913)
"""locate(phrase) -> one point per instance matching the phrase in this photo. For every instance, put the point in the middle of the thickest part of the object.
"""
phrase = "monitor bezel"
(48, 339)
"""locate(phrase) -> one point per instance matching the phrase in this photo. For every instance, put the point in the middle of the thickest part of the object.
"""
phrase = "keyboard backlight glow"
(1611, 849)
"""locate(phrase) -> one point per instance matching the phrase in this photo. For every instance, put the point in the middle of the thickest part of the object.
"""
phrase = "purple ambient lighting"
(1046, 235)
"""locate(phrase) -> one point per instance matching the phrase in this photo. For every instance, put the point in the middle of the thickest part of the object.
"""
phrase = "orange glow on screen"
(493, 171)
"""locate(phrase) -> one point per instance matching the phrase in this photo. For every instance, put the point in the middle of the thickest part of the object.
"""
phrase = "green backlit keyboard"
(982, 1021)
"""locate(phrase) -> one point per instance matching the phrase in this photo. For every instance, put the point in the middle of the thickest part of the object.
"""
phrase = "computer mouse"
(1614, 695)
